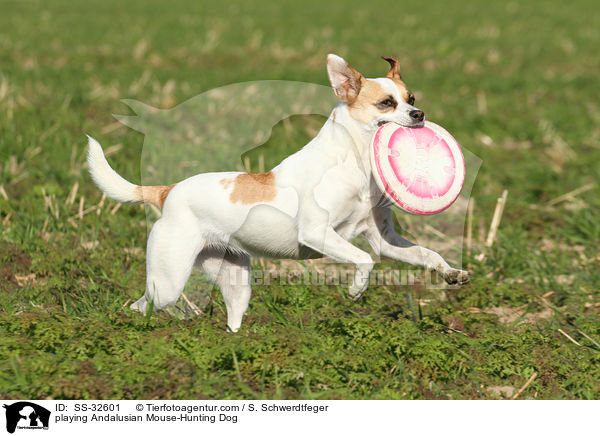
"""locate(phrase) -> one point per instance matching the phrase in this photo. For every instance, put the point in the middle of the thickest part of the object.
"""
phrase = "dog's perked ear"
(394, 72)
(345, 80)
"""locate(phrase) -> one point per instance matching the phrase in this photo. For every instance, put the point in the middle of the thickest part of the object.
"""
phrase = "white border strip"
(316, 417)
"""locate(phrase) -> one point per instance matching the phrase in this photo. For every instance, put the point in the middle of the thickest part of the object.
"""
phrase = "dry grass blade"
(111, 127)
(13, 166)
(491, 237)
(46, 198)
(570, 195)
(470, 225)
(54, 206)
(191, 305)
(50, 203)
(435, 232)
(3, 88)
(48, 132)
(19, 178)
(3, 193)
(156, 210)
(90, 245)
(115, 209)
(31, 152)
(112, 149)
(43, 234)
(561, 331)
(73, 194)
(481, 103)
(520, 391)
(496, 219)
(101, 204)
(6, 220)
(80, 213)
(590, 339)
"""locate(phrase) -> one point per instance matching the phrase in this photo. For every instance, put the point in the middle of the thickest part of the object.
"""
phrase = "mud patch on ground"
(13, 262)
(508, 315)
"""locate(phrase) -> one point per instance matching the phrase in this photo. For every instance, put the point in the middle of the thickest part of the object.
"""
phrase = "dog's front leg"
(386, 242)
(326, 241)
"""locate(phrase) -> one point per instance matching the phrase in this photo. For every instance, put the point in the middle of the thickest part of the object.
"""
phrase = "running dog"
(310, 205)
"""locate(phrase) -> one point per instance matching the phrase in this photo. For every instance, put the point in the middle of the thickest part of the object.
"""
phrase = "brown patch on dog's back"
(251, 188)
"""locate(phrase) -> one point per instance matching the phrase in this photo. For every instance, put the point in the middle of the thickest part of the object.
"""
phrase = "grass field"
(515, 82)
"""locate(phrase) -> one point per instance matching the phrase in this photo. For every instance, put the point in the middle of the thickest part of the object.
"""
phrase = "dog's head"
(373, 102)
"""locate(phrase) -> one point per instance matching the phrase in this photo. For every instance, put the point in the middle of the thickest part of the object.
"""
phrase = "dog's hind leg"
(172, 250)
(231, 272)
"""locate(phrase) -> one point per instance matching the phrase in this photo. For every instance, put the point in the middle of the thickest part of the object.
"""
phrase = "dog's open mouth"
(381, 123)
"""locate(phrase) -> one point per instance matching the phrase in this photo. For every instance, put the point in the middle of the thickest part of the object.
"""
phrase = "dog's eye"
(387, 103)
(411, 99)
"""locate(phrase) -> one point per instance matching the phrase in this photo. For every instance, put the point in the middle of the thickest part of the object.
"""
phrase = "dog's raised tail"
(115, 186)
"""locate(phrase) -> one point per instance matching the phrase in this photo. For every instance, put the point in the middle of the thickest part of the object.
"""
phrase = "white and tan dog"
(311, 204)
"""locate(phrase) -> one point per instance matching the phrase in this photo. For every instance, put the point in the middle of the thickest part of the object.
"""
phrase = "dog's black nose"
(417, 115)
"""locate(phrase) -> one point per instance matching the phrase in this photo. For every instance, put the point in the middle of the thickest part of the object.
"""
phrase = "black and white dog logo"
(26, 415)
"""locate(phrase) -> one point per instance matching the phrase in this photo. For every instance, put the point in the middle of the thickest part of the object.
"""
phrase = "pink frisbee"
(421, 170)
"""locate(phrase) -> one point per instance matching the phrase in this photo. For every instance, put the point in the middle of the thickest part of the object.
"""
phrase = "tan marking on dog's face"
(249, 188)
(368, 105)
(362, 108)
(406, 95)
(396, 77)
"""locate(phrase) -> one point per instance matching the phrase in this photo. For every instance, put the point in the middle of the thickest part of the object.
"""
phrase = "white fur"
(107, 179)
(325, 197)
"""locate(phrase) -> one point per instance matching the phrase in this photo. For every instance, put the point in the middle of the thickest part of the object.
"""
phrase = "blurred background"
(516, 83)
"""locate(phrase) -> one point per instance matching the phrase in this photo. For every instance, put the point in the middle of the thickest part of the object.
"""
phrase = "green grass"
(516, 83)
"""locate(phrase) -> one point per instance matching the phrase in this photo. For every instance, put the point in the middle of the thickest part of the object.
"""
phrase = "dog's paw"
(358, 288)
(361, 282)
(457, 277)
(355, 294)
(140, 306)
